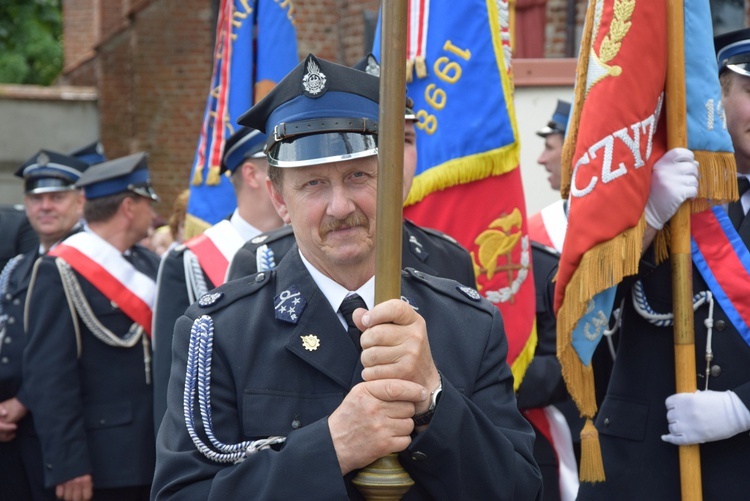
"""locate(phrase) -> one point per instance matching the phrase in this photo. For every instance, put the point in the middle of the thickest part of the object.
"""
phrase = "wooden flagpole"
(385, 479)
(680, 255)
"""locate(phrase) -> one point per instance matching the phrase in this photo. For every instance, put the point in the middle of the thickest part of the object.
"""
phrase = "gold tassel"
(197, 176)
(421, 66)
(213, 176)
(409, 70)
(592, 465)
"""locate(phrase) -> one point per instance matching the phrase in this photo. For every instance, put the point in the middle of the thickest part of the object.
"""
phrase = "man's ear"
(278, 202)
(249, 174)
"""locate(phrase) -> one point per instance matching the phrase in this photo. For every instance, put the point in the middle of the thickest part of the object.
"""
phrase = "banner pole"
(680, 252)
(385, 479)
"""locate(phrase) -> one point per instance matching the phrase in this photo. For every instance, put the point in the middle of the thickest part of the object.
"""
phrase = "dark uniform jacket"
(423, 249)
(18, 235)
(264, 382)
(171, 302)
(632, 419)
(28, 460)
(93, 412)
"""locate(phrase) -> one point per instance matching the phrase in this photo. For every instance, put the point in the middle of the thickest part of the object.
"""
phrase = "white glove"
(674, 179)
(705, 416)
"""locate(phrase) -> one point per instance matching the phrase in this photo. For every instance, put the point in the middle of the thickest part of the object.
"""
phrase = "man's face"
(332, 210)
(410, 155)
(736, 101)
(143, 217)
(551, 158)
(52, 215)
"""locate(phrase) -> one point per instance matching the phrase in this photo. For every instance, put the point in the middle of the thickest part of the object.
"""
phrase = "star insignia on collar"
(259, 239)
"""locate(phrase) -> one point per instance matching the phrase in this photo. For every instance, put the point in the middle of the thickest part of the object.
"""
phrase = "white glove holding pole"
(705, 416)
(674, 179)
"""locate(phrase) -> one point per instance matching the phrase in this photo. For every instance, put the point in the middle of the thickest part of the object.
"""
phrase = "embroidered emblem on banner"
(599, 67)
(310, 342)
(495, 255)
(207, 300)
(289, 305)
(314, 81)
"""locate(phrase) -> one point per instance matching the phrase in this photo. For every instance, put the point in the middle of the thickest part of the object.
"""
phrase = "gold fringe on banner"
(717, 172)
(571, 136)
(197, 177)
(601, 267)
(194, 226)
(214, 177)
(464, 170)
(522, 361)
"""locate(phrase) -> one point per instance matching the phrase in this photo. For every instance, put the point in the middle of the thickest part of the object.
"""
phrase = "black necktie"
(735, 211)
(350, 304)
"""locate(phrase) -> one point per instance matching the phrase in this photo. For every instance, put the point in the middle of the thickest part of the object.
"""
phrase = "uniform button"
(260, 277)
(720, 325)
(102, 421)
(8, 296)
(16, 302)
(606, 421)
(11, 320)
(715, 371)
(8, 339)
(4, 360)
(418, 456)
(296, 424)
(49, 466)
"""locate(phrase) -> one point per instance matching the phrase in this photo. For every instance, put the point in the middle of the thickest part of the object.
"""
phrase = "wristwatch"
(426, 417)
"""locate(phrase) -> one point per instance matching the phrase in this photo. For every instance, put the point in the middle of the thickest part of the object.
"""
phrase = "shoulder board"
(545, 248)
(450, 288)
(270, 236)
(435, 233)
(228, 293)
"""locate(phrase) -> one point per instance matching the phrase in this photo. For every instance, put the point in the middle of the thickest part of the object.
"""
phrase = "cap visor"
(315, 149)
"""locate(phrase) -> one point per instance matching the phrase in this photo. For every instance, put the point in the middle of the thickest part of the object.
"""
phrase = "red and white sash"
(106, 269)
(551, 423)
(215, 249)
(548, 226)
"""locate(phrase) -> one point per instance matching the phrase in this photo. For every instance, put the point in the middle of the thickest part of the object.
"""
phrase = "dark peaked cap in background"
(320, 112)
(49, 171)
(123, 174)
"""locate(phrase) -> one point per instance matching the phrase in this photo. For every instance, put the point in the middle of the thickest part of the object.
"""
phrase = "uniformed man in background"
(54, 206)
(87, 365)
(192, 269)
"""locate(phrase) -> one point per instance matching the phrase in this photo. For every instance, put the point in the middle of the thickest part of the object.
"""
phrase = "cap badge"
(372, 68)
(42, 159)
(314, 81)
(310, 342)
(289, 305)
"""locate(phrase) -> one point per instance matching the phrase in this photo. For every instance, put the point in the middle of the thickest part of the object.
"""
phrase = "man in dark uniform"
(425, 249)
(295, 409)
(18, 235)
(639, 435)
(53, 206)
(192, 269)
(87, 365)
